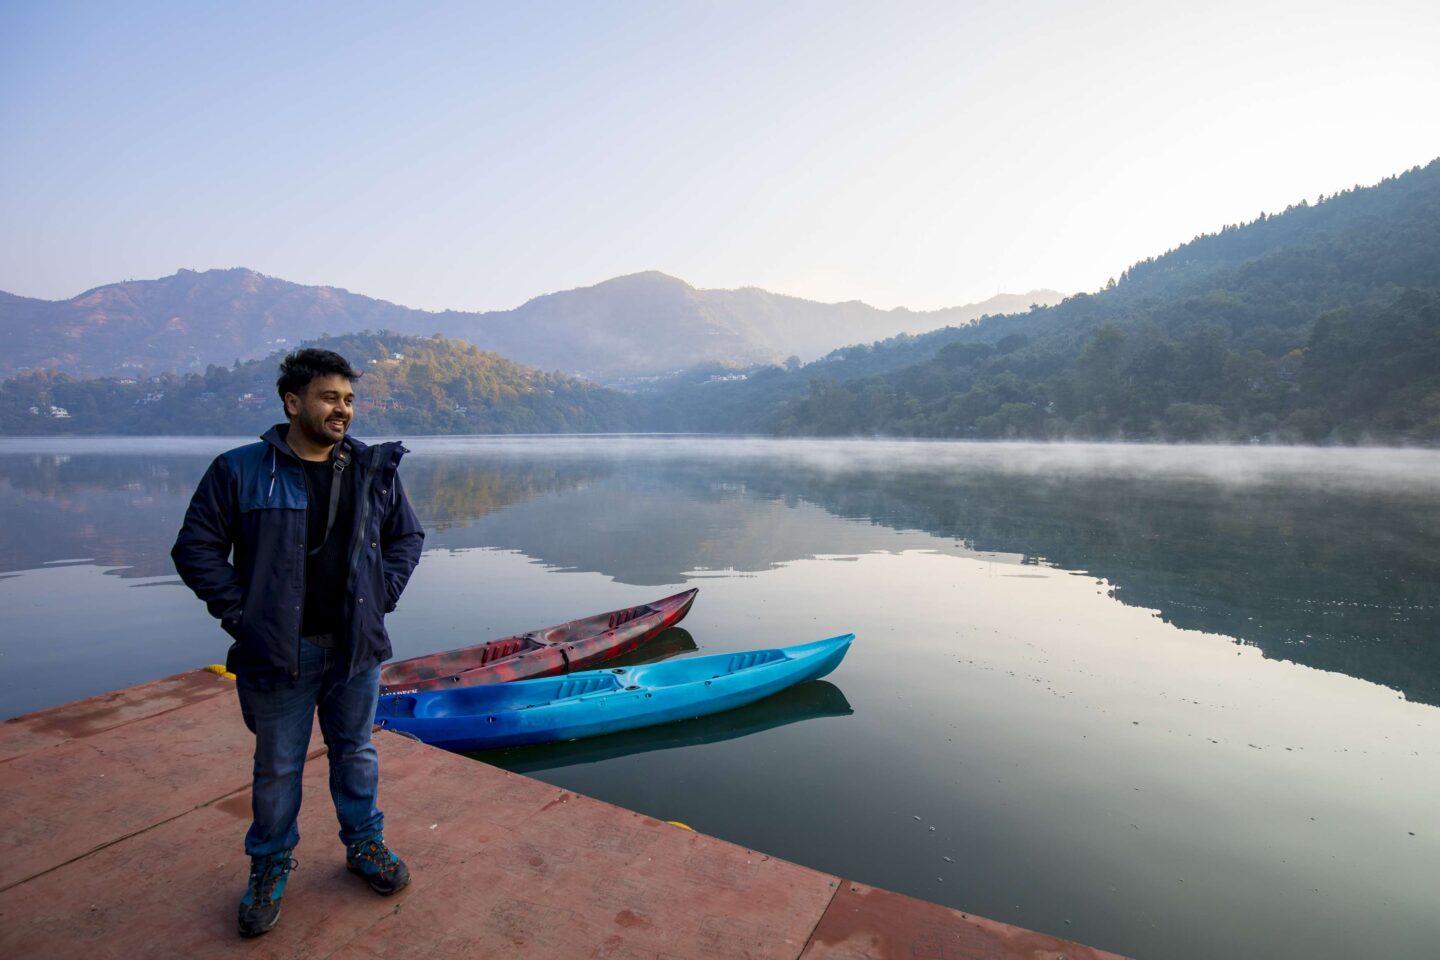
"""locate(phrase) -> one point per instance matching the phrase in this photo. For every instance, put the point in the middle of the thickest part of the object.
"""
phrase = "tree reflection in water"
(1338, 577)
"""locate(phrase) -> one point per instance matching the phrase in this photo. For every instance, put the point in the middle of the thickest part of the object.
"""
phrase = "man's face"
(322, 413)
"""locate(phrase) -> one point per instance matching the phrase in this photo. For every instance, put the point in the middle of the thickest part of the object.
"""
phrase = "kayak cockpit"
(455, 662)
(506, 697)
(699, 669)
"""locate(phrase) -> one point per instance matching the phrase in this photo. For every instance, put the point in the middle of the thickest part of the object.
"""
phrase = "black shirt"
(326, 569)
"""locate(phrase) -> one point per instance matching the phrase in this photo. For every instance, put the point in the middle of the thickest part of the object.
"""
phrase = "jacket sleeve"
(401, 538)
(202, 550)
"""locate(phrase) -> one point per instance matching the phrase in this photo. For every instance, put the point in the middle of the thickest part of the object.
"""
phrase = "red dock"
(121, 819)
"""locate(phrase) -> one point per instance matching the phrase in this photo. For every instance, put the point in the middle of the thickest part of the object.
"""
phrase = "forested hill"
(409, 385)
(1321, 323)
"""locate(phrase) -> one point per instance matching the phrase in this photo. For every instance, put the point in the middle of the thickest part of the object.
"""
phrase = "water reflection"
(121, 509)
(109, 510)
(1335, 576)
(806, 701)
(1338, 575)
(1341, 579)
(668, 644)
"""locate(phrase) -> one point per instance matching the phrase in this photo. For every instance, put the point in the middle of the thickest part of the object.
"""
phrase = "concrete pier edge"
(121, 817)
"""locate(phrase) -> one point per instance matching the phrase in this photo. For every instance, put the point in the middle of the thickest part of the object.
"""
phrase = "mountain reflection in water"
(1342, 575)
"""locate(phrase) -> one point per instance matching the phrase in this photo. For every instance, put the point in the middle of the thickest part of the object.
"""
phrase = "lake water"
(1173, 702)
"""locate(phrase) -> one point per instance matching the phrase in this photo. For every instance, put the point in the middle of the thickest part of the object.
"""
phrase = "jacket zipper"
(299, 627)
(269, 495)
(362, 520)
(357, 542)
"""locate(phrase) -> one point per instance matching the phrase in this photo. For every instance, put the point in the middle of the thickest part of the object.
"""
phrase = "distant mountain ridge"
(644, 324)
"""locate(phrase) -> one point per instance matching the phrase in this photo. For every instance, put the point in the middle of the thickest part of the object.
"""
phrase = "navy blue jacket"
(252, 500)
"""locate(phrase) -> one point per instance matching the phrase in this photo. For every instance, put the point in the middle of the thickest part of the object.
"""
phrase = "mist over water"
(1361, 467)
(1134, 690)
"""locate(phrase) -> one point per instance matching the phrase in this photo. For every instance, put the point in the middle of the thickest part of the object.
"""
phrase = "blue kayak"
(593, 702)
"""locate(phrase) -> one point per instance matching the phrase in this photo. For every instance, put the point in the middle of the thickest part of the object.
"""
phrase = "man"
(323, 542)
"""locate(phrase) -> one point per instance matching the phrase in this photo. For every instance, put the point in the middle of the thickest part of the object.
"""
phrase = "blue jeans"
(281, 717)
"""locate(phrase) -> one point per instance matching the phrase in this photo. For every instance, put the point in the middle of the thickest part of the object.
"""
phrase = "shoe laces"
(373, 850)
(265, 874)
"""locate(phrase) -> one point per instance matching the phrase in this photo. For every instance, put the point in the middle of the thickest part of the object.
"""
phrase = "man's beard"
(316, 432)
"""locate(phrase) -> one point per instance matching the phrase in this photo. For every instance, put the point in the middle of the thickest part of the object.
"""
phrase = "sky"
(471, 156)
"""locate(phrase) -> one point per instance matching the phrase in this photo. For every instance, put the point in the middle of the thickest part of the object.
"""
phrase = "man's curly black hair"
(302, 366)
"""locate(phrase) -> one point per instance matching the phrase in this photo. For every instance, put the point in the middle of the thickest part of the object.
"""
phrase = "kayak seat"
(501, 648)
(752, 658)
(494, 698)
(698, 669)
(620, 617)
(572, 686)
(454, 662)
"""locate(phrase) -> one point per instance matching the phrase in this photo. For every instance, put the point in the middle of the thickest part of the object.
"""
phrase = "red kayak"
(577, 645)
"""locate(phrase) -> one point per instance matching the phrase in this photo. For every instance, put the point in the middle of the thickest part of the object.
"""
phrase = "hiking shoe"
(260, 907)
(371, 859)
